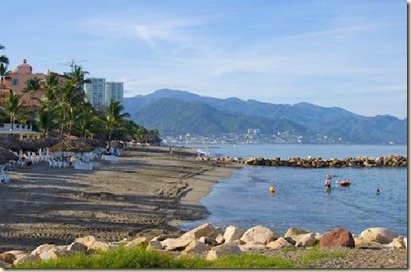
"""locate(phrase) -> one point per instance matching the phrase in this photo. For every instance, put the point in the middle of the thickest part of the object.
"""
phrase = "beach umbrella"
(46, 142)
(71, 146)
(11, 143)
(28, 145)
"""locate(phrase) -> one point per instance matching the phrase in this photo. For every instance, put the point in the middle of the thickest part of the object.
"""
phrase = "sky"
(332, 53)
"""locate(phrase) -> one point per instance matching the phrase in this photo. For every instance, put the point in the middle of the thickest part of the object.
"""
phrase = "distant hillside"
(181, 112)
(173, 116)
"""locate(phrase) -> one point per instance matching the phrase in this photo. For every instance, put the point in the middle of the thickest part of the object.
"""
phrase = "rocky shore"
(374, 248)
(312, 162)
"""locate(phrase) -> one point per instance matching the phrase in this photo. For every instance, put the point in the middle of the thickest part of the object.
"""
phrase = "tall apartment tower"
(114, 91)
(95, 92)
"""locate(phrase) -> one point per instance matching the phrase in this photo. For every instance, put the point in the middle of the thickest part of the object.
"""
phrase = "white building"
(95, 92)
(114, 91)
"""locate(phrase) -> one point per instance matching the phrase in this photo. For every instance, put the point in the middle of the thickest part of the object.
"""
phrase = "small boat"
(345, 182)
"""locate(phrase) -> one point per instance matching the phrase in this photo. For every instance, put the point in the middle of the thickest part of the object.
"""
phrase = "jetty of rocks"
(211, 243)
(314, 162)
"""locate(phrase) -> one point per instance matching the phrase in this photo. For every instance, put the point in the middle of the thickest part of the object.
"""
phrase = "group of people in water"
(327, 183)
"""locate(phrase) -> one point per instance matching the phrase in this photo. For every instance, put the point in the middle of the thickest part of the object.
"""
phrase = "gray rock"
(259, 235)
(223, 250)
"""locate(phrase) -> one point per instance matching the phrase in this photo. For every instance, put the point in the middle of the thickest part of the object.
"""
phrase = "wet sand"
(141, 194)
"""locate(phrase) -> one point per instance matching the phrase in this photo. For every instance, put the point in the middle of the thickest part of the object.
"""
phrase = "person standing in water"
(327, 183)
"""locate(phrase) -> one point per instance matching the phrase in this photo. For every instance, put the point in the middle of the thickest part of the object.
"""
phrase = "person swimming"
(378, 191)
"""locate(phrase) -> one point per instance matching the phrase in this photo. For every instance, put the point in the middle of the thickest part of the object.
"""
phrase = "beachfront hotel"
(17, 81)
(99, 92)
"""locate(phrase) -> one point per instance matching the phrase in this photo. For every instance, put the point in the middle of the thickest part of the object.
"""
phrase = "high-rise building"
(95, 91)
(114, 91)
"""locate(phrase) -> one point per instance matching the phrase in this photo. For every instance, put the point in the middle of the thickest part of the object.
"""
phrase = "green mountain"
(174, 117)
(176, 112)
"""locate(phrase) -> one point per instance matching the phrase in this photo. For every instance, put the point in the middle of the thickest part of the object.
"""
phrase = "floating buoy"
(272, 189)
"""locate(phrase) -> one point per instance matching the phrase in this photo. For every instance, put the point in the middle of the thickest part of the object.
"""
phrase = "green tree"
(3, 58)
(87, 122)
(47, 116)
(32, 86)
(65, 104)
(12, 106)
(78, 77)
(4, 74)
(113, 117)
(51, 87)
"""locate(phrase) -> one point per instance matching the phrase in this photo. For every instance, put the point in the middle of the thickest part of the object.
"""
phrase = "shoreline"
(198, 187)
(140, 194)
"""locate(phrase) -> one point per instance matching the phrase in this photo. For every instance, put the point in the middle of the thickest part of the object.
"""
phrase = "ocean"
(300, 200)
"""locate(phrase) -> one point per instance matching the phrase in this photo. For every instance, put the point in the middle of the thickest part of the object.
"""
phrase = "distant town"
(253, 136)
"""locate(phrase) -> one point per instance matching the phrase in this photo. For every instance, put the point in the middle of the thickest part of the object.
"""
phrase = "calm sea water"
(300, 200)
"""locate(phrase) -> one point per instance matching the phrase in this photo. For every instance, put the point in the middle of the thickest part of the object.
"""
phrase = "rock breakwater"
(212, 243)
(314, 162)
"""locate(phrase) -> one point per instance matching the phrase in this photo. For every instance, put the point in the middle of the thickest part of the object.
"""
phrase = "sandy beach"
(139, 194)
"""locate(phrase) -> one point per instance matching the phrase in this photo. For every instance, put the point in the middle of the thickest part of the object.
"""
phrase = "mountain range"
(175, 112)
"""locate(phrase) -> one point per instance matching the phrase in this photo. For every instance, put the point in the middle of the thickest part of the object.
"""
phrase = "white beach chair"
(3, 176)
(79, 165)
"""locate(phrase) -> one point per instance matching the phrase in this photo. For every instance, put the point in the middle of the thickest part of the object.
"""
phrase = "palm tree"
(32, 86)
(12, 106)
(3, 58)
(87, 121)
(77, 77)
(64, 103)
(50, 86)
(46, 119)
(4, 74)
(113, 117)
(47, 115)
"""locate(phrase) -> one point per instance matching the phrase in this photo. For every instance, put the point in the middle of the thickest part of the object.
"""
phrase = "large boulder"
(398, 243)
(195, 247)
(136, 242)
(232, 233)
(7, 257)
(43, 248)
(93, 243)
(54, 253)
(223, 250)
(379, 235)
(27, 258)
(154, 245)
(206, 230)
(293, 232)
(365, 244)
(177, 243)
(305, 240)
(338, 237)
(279, 243)
(77, 247)
(259, 235)
(251, 247)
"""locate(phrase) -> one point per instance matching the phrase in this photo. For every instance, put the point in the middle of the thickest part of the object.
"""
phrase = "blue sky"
(333, 53)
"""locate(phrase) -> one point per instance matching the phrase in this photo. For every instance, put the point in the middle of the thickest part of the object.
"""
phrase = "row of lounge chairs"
(80, 161)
